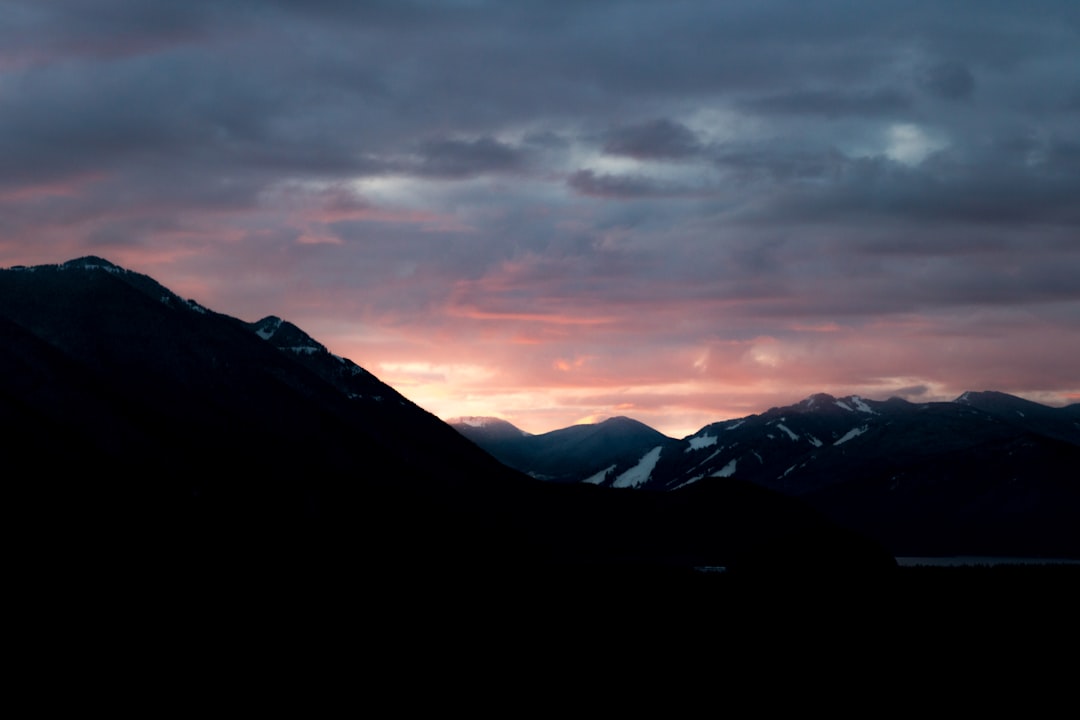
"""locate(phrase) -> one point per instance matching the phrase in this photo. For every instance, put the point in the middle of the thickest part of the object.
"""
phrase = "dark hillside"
(158, 435)
(986, 474)
(574, 453)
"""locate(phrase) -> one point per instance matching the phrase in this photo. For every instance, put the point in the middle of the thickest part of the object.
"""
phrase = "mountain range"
(580, 453)
(179, 478)
(985, 474)
(153, 435)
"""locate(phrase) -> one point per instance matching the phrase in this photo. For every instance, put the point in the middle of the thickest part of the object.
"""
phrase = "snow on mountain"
(91, 262)
(701, 441)
(266, 327)
(852, 434)
(861, 405)
(640, 473)
(726, 471)
(786, 429)
(599, 477)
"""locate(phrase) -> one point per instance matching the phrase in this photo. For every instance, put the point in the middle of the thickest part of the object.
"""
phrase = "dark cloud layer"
(451, 158)
(745, 200)
(656, 139)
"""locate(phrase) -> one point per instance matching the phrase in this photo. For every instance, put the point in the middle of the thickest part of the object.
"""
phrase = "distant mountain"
(487, 429)
(148, 434)
(580, 453)
(988, 473)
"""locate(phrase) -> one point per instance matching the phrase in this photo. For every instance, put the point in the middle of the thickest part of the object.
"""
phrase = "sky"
(555, 212)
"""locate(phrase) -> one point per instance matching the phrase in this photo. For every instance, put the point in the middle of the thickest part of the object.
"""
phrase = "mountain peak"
(91, 262)
(477, 421)
(624, 424)
(620, 420)
(267, 327)
(817, 399)
(284, 335)
(971, 396)
(475, 426)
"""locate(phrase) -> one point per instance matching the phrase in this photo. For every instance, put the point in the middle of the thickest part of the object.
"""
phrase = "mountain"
(158, 437)
(986, 474)
(121, 350)
(486, 429)
(580, 453)
(158, 427)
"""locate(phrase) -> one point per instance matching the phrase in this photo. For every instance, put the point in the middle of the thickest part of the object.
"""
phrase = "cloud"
(639, 185)
(833, 103)
(749, 162)
(610, 185)
(951, 80)
(453, 158)
(657, 139)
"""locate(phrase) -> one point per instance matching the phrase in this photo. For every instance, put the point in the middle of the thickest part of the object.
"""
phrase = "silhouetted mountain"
(988, 474)
(164, 425)
(580, 453)
(486, 429)
(158, 436)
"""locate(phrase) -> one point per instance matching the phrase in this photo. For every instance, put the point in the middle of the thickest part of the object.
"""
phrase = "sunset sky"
(555, 211)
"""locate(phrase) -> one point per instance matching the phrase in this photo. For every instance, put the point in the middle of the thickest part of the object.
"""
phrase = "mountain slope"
(988, 474)
(586, 452)
(991, 476)
(175, 436)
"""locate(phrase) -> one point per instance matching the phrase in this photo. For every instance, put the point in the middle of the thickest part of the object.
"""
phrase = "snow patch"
(268, 331)
(714, 454)
(598, 477)
(684, 483)
(844, 405)
(94, 266)
(640, 473)
(735, 425)
(785, 428)
(861, 406)
(697, 443)
(813, 440)
(304, 349)
(852, 433)
(726, 471)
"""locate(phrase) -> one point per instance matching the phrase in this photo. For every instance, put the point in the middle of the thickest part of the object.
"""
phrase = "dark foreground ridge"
(178, 478)
(180, 439)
